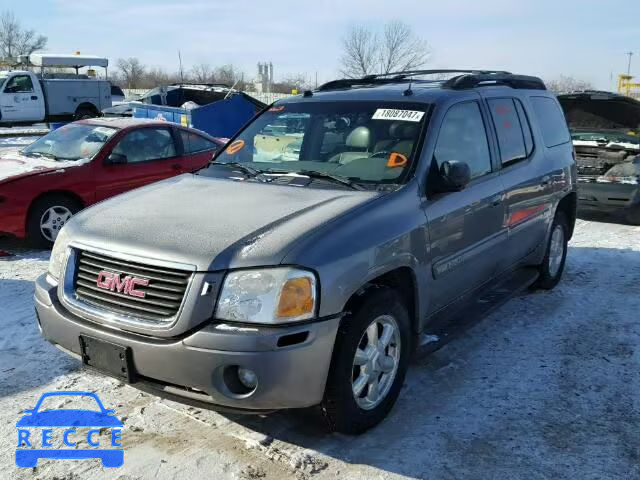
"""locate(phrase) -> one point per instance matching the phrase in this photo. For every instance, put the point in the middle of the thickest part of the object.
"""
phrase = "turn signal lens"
(296, 298)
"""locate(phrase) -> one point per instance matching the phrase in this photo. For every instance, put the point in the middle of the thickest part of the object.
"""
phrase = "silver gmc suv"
(338, 231)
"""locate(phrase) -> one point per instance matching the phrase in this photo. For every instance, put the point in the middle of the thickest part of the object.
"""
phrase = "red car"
(87, 161)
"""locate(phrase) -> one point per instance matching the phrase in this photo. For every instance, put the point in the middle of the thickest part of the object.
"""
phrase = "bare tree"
(359, 56)
(565, 84)
(202, 73)
(15, 40)
(229, 75)
(132, 71)
(299, 82)
(401, 49)
(396, 48)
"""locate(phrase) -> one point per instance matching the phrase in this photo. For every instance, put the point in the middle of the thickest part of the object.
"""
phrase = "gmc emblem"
(127, 285)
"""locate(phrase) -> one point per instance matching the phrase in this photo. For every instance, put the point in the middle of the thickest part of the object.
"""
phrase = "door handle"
(33, 97)
(495, 201)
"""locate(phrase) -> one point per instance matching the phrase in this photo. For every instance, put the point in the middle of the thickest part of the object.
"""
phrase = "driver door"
(145, 155)
(20, 100)
(466, 228)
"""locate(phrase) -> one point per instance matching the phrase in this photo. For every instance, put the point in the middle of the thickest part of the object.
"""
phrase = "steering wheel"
(381, 154)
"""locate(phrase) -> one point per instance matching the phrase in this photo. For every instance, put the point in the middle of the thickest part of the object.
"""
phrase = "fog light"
(248, 378)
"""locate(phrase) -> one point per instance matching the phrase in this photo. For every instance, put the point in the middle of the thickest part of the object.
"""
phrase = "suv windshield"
(71, 142)
(365, 142)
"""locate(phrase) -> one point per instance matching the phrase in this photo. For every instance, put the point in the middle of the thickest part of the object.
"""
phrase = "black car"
(604, 129)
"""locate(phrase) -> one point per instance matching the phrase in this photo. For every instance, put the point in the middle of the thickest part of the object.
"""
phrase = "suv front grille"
(157, 302)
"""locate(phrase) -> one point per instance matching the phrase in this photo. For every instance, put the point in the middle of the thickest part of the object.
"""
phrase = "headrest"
(359, 137)
(395, 130)
(409, 132)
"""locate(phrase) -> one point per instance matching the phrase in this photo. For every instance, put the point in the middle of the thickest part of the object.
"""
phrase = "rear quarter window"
(551, 120)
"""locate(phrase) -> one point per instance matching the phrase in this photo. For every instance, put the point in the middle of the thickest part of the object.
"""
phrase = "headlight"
(271, 296)
(58, 255)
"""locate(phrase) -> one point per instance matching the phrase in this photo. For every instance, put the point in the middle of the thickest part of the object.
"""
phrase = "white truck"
(27, 97)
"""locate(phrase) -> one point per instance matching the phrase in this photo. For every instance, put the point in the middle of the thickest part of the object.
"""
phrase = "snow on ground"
(546, 387)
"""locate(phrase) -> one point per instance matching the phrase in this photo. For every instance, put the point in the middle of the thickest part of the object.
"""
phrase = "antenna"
(629, 64)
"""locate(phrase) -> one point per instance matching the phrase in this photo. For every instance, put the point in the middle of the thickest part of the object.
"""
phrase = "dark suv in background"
(336, 232)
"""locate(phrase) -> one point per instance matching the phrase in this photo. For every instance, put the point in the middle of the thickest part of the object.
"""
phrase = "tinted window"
(193, 142)
(463, 137)
(19, 84)
(146, 144)
(508, 130)
(526, 127)
(551, 121)
(116, 91)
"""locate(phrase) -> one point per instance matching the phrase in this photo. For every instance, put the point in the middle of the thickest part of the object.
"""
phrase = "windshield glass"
(71, 142)
(365, 142)
(605, 137)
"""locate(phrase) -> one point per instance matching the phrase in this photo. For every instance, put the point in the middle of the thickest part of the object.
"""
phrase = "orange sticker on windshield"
(235, 147)
(397, 160)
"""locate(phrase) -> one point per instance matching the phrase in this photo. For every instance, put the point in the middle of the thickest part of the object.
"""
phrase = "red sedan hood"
(13, 165)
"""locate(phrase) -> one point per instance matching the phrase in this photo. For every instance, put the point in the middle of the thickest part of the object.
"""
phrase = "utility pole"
(629, 64)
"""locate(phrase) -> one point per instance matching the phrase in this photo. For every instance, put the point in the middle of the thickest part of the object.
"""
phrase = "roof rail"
(396, 77)
(495, 78)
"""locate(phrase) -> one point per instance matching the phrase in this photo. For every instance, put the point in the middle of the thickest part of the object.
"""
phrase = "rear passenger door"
(526, 177)
(197, 150)
(465, 228)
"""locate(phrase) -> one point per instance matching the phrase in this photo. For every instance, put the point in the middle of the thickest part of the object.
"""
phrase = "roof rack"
(495, 78)
(467, 78)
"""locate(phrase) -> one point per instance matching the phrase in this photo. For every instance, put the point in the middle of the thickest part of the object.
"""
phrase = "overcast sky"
(586, 39)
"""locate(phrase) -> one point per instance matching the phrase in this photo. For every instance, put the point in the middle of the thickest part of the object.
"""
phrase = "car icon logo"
(37, 427)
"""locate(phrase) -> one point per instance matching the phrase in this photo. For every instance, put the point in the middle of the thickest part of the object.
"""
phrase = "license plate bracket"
(107, 357)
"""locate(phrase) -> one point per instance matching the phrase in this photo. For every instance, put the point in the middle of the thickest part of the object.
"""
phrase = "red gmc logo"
(127, 285)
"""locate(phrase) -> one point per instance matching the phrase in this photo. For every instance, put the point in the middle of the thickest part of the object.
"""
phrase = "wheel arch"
(87, 106)
(401, 279)
(568, 205)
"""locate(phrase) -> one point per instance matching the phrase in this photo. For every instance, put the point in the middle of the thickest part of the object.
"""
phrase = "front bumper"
(291, 363)
(608, 197)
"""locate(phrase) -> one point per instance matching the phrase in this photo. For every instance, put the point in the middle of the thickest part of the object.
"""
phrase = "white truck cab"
(27, 97)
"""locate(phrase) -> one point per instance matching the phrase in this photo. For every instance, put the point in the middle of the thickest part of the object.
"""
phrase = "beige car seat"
(357, 142)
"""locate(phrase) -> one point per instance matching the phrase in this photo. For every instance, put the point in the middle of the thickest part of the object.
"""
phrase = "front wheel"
(369, 363)
(555, 256)
(47, 217)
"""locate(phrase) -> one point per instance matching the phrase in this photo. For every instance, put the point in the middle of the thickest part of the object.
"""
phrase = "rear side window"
(512, 129)
(551, 120)
(193, 142)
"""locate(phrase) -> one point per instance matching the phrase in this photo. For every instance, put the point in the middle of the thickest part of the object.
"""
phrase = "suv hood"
(211, 223)
(605, 128)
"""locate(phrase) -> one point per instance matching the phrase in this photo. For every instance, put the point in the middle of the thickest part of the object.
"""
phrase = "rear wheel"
(633, 217)
(369, 363)
(85, 111)
(555, 256)
(47, 217)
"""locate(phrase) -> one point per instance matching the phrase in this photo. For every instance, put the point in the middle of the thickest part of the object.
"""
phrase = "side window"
(551, 120)
(463, 137)
(19, 84)
(526, 128)
(146, 144)
(192, 142)
(508, 129)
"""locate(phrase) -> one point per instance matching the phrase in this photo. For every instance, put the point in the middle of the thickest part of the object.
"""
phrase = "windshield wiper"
(324, 176)
(247, 170)
(39, 155)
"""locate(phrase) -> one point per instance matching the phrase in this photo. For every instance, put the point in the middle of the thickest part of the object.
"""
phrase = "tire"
(340, 408)
(47, 216)
(83, 112)
(633, 217)
(555, 255)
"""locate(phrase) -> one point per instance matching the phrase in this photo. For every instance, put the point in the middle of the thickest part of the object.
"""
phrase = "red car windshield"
(75, 141)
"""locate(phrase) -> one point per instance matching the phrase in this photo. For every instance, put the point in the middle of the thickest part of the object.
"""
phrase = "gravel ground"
(546, 387)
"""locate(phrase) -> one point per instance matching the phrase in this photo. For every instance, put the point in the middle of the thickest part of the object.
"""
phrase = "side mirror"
(117, 159)
(454, 175)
